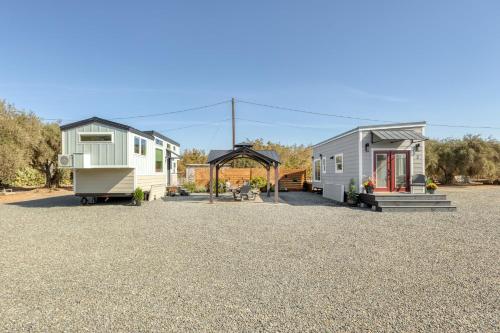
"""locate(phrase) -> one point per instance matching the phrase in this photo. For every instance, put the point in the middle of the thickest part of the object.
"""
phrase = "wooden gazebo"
(267, 158)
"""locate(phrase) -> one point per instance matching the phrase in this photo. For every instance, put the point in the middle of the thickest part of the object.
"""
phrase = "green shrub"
(190, 186)
(352, 194)
(139, 195)
(258, 182)
(222, 186)
(28, 177)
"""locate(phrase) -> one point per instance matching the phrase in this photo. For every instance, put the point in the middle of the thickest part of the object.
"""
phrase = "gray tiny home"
(112, 159)
(388, 154)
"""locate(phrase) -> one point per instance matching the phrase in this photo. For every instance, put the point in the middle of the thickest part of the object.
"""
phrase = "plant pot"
(137, 202)
(369, 190)
(431, 191)
(351, 202)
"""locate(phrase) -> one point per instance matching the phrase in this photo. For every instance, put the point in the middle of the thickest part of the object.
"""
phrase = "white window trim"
(335, 160)
(323, 165)
(96, 133)
(140, 146)
(314, 170)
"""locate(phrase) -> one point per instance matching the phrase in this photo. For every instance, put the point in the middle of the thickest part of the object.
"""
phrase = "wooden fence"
(292, 179)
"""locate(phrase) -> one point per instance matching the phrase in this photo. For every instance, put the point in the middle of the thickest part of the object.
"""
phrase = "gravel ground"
(302, 265)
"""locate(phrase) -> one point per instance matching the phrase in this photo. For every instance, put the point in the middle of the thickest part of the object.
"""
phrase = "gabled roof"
(161, 136)
(373, 127)
(105, 122)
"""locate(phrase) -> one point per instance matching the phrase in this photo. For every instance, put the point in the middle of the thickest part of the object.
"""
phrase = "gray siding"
(347, 145)
(417, 158)
(101, 154)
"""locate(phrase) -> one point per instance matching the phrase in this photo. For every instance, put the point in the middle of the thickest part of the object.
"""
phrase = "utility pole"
(234, 124)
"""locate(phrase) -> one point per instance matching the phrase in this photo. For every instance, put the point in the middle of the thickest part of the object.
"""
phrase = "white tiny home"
(113, 159)
(390, 154)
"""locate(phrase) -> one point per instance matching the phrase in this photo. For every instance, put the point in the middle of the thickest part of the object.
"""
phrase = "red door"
(391, 171)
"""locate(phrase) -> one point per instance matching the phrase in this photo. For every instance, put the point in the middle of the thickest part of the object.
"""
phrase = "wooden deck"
(406, 202)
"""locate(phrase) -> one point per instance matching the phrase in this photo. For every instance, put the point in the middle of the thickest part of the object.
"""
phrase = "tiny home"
(391, 155)
(113, 159)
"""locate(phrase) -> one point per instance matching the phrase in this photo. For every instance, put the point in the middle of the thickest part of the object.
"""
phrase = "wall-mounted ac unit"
(334, 192)
(65, 161)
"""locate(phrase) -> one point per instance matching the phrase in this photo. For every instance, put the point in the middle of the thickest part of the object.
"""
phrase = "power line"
(308, 112)
(355, 118)
(173, 112)
(198, 125)
(152, 114)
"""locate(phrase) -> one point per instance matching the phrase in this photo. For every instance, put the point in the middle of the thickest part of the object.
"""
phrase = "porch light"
(417, 147)
(367, 145)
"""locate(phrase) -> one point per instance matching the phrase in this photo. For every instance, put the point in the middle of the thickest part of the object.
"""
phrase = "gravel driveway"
(296, 266)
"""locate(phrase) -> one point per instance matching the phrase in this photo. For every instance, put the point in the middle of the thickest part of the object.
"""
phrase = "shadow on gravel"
(67, 201)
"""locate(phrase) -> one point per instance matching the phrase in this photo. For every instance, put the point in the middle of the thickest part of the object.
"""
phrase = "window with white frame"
(339, 163)
(140, 146)
(323, 165)
(96, 137)
(317, 170)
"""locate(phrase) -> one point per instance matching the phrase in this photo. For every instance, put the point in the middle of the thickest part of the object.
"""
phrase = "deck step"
(409, 202)
(416, 208)
(410, 196)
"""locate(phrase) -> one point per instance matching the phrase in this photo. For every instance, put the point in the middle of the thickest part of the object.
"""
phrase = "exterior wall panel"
(102, 181)
(348, 146)
(102, 154)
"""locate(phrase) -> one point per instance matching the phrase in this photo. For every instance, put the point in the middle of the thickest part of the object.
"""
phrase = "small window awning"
(397, 135)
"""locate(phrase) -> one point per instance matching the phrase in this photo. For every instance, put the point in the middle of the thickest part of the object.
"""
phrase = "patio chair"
(245, 191)
(418, 183)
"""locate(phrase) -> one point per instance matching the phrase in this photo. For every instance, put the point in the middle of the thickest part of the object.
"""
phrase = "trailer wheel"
(84, 201)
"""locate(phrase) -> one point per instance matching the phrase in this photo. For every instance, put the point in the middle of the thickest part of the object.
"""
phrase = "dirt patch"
(34, 194)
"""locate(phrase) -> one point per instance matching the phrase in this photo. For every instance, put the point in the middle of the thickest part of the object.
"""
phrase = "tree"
(19, 133)
(470, 156)
(44, 155)
(191, 156)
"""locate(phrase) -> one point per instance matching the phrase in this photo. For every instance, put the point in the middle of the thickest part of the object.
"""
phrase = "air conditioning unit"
(65, 161)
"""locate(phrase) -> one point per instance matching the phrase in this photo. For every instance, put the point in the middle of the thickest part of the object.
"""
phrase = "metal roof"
(163, 137)
(228, 154)
(105, 122)
(396, 135)
(146, 134)
(372, 127)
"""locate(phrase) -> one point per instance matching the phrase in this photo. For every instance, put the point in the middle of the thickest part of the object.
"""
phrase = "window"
(317, 170)
(159, 142)
(175, 148)
(339, 163)
(174, 167)
(137, 145)
(323, 165)
(143, 147)
(159, 160)
(140, 146)
(96, 137)
(169, 146)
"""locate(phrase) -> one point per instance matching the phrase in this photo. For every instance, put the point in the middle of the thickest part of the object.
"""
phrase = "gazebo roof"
(266, 156)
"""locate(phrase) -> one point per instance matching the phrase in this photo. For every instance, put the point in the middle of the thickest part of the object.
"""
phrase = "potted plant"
(369, 185)
(431, 187)
(138, 196)
(352, 196)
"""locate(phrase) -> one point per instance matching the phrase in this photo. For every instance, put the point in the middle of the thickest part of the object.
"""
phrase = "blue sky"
(437, 61)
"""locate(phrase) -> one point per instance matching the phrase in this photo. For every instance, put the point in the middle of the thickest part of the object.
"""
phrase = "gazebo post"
(217, 181)
(276, 183)
(211, 183)
(268, 168)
